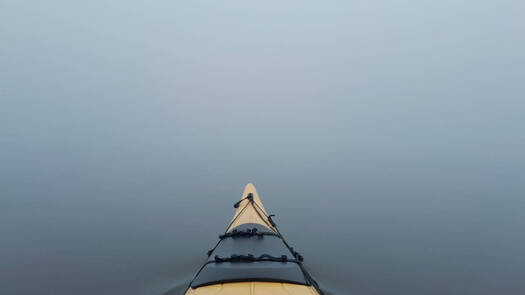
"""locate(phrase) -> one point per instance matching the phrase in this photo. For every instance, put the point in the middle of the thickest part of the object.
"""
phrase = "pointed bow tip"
(249, 187)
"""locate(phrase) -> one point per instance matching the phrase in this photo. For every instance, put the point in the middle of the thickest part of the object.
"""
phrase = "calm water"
(388, 138)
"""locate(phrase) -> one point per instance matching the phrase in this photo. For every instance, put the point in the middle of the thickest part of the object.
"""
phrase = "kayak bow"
(252, 257)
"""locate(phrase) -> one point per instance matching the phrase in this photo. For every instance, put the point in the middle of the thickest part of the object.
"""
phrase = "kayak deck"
(252, 257)
(250, 214)
(254, 288)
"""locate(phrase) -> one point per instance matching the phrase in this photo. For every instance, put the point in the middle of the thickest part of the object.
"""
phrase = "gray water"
(388, 137)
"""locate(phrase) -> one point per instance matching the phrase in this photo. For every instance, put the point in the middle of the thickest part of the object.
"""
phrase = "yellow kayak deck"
(254, 288)
(250, 229)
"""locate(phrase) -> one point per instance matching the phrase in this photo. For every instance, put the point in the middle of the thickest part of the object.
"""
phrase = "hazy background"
(387, 136)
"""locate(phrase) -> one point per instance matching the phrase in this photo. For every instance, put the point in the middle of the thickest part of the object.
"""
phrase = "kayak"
(252, 257)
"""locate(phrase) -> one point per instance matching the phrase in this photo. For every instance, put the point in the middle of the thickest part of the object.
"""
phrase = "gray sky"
(368, 118)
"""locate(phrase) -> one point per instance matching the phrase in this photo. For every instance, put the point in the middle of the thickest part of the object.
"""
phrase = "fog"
(387, 136)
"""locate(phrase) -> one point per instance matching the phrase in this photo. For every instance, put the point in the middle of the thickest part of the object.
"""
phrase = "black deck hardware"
(249, 232)
(248, 197)
(242, 256)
